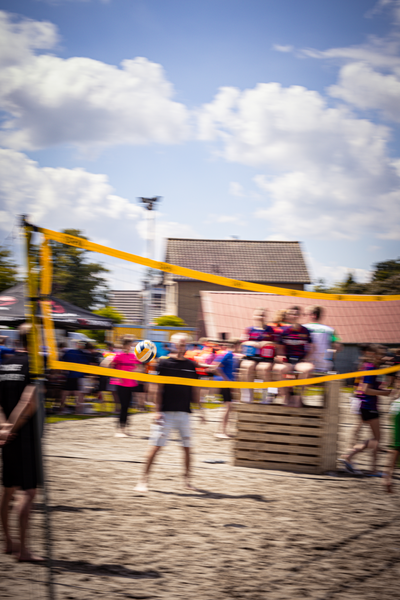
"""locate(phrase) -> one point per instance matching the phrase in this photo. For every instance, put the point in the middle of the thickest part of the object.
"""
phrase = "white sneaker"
(141, 487)
(120, 434)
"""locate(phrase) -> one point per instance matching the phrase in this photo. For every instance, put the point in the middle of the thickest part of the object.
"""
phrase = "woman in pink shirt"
(125, 361)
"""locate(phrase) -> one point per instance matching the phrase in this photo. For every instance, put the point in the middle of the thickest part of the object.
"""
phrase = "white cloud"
(365, 88)
(19, 39)
(325, 173)
(392, 5)
(59, 198)
(334, 273)
(279, 48)
(370, 75)
(236, 189)
(79, 100)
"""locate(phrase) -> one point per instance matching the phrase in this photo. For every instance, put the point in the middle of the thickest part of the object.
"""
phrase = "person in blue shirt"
(4, 350)
(225, 368)
(74, 378)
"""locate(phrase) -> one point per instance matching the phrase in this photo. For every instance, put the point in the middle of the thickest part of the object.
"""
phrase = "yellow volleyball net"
(236, 301)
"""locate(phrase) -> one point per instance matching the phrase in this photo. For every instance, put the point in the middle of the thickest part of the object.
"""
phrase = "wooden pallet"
(291, 439)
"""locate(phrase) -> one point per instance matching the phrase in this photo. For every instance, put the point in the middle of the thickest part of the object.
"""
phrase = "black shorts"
(226, 394)
(103, 381)
(369, 415)
(72, 384)
(19, 460)
(139, 389)
(293, 360)
(258, 359)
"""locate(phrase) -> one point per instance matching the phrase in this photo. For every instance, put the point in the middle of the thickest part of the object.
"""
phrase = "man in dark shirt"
(17, 439)
(173, 408)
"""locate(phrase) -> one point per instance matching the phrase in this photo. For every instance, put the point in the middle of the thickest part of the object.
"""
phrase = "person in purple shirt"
(258, 347)
(368, 391)
(294, 347)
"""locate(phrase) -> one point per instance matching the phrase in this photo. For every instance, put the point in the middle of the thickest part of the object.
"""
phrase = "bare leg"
(142, 485)
(387, 480)
(188, 485)
(6, 498)
(374, 424)
(225, 419)
(264, 372)
(304, 369)
(356, 431)
(64, 396)
(279, 371)
(372, 444)
(224, 422)
(79, 398)
(247, 373)
(24, 512)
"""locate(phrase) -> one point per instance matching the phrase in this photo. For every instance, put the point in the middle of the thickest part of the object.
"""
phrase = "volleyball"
(145, 351)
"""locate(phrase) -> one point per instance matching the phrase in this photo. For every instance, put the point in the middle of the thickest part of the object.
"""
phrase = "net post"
(36, 369)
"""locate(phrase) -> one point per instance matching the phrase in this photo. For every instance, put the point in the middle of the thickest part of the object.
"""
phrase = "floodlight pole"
(149, 203)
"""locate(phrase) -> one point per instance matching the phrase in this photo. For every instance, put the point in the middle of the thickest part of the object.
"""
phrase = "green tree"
(169, 321)
(109, 312)
(75, 279)
(386, 270)
(385, 280)
(8, 270)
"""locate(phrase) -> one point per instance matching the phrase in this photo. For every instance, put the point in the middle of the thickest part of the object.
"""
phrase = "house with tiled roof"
(355, 323)
(279, 264)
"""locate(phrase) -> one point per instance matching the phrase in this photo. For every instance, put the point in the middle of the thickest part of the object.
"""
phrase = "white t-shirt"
(322, 337)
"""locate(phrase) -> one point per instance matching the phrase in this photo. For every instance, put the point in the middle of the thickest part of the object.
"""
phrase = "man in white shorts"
(173, 408)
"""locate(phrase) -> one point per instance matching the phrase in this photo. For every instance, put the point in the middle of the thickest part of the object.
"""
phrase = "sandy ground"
(247, 534)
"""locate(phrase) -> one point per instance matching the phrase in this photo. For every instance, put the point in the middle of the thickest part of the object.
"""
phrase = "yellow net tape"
(54, 363)
(71, 240)
(209, 383)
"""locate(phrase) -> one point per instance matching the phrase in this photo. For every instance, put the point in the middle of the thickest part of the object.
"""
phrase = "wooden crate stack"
(284, 438)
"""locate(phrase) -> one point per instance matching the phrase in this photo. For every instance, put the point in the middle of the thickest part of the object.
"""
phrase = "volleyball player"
(172, 409)
(368, 391)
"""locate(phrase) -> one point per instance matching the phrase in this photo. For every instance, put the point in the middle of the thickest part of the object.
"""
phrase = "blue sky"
(264, 119)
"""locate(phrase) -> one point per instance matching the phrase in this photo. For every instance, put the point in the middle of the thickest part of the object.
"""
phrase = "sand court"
(246, 533)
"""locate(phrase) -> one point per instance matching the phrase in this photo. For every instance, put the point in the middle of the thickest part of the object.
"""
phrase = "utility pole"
(149, 203)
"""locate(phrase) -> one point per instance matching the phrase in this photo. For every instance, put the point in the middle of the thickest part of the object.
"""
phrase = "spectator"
(225, 368)
(259, 349)
(18, 403)
(125, 361)
(325, 340)
(295, 347)
(73, 385)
